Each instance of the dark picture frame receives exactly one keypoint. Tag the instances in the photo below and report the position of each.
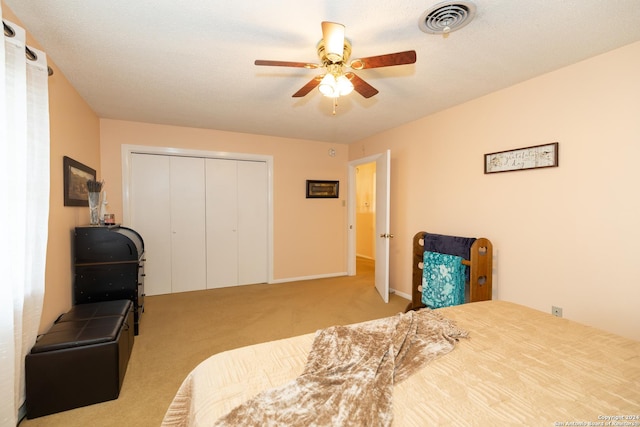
(75, 180)
(534, 157)
(322, 189)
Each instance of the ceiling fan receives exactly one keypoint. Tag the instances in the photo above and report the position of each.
(334, 51)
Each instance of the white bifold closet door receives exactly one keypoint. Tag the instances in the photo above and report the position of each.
(204, 221)
(188, 227)
(168, 209)
(236, 211)
(150, 209)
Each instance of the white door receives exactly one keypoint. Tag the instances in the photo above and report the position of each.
(188, 230)
(150, 215)
(167, 209)
(383, 234)
(253, 224)
(222, 223)
(237, 222)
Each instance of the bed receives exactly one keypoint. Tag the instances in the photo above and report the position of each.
(519, 366)
(516, 366)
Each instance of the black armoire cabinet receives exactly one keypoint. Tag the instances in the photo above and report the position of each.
(109, 265)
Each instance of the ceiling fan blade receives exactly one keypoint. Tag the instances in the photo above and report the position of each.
(360, 86)
(333, 36)
(390, 59)
(285, 64)
(313, 83)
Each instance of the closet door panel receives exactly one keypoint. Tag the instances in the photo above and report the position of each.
(252, 222)
(150, 216)
(222, 223)
(188, 230)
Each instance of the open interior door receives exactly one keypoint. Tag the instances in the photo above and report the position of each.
(383, 191)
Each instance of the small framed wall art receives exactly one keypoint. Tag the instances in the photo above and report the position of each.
(537, 156)
(322, 189)
(75, 180)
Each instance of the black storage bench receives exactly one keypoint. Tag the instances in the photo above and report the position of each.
(81, 360)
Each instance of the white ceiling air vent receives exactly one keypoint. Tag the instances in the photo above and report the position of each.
(447, 16)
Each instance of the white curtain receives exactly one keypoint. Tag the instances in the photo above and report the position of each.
(24, 211)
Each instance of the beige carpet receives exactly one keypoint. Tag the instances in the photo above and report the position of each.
(178, 331)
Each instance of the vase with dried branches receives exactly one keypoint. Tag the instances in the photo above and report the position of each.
(94, 187)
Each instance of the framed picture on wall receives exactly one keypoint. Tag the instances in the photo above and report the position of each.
(322, 189)
(538, 156)
(75, 180)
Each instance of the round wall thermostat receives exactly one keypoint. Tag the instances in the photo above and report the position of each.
(332, 152)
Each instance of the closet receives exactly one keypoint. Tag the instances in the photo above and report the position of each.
(204, 221)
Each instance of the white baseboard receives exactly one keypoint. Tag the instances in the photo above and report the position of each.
(303, 278)
(324, 276)
(22, 412)
(401, 294)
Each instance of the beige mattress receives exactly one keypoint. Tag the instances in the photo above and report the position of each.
(519, 367)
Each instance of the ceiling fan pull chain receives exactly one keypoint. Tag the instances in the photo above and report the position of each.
(335, 104)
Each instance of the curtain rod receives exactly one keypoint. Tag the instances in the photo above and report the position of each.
(31, 55)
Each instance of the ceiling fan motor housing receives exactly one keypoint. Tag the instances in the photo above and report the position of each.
(322, 54)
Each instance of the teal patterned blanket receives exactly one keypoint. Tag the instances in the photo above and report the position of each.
(443, 280)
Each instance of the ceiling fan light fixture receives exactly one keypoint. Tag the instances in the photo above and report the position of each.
(333, 86)
(344, 85)
(328, 86)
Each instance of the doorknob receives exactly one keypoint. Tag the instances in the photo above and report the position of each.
(386, 236)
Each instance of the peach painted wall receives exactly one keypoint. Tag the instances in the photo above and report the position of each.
(309, 234)
(74, 130)
(565, 236)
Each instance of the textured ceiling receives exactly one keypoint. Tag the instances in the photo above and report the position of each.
(190, 63)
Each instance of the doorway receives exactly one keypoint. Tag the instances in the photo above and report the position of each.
(381, 234)
(365, 210)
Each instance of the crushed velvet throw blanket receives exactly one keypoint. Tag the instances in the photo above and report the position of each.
(350, 372)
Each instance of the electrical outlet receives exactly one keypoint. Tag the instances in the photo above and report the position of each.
(556, 311)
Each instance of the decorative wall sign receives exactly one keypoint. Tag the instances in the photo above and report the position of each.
(75, 180)
(537, 156)
(322, 189)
